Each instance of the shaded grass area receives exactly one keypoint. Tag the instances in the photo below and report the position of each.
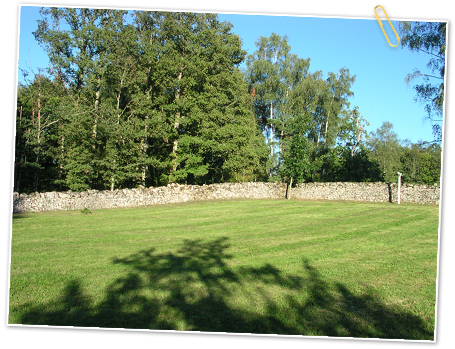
(258, 266)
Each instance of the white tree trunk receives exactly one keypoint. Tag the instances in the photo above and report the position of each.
(176, 126)
(271, 132)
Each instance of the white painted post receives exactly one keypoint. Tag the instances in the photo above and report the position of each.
(399, 186)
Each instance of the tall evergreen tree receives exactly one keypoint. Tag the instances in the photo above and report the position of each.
(203, 90)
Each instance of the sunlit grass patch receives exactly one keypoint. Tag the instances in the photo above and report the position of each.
(246, 266)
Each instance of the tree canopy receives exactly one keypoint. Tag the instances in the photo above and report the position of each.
(143, 98)
(154, 100)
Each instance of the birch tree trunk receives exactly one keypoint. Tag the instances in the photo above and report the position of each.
(97, 103)
(145, 146)
(38, 138)
(176, 126)
(271, 132)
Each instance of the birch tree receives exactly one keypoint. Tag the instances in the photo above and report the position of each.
(428, 38)
(272, 73)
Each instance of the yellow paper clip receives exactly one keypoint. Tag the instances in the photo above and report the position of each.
(380, 23)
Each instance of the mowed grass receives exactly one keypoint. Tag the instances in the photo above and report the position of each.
(316, 268)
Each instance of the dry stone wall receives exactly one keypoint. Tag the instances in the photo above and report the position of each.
(93, 199)
(374, 192)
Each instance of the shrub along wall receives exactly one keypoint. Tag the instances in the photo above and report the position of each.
(93, 199)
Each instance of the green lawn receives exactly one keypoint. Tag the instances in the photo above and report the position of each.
(316, 268)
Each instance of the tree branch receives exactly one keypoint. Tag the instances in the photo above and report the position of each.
(430, 53)
(431, 76)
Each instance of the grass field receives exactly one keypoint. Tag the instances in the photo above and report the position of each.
(316, 268)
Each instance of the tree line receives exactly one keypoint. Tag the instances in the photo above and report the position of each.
(138, 98)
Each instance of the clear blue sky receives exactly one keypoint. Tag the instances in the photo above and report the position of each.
(330, 43)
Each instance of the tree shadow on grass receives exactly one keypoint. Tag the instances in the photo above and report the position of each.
(196, 289)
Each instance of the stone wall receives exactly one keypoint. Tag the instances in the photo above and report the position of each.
(93, 199)
(377, 192)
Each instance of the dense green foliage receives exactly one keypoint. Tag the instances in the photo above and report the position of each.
(137, 98)
(357, 270)
(420, 163)
(157, 100)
